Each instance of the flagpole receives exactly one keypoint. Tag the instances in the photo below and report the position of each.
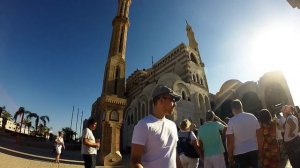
(76, 123)
(81, 122)
(72, 117)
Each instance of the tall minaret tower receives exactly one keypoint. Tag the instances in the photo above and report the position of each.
(193, 44)
(109, 108)
(192, 41)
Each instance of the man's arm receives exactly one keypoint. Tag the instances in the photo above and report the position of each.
(221, 121)
(137, 152)
(230, 147)
(89, 143)
(196, 143)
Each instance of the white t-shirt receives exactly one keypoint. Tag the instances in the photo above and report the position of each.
(243, 126)
(88, 134)
(159, 138)
(287, 128)
(279, 130)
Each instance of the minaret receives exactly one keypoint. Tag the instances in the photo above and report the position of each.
(109, 108)
(114, 82)
(193, 44)
(192, 41)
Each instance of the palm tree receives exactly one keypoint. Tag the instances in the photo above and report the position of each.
(6, 115)
(2, 109)
(37, 119)
(27, 123)
(69, 134)
(44, 119)
(21, 112)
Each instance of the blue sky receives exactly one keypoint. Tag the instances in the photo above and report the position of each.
(53, 52)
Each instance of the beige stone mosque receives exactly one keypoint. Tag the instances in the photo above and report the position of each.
(124, 102)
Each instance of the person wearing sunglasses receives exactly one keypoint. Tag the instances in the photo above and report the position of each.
(155, 137)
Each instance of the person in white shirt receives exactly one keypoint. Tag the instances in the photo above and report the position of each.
(89, 145)
(244, 137)
(291, 137)
(279, 132)
(155, 137)
(59, 144)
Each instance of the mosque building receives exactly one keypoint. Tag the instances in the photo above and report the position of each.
(123, 103)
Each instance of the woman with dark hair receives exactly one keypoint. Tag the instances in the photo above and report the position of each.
(59, 144)
(270, 148)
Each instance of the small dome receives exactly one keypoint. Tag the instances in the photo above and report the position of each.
(230, 84)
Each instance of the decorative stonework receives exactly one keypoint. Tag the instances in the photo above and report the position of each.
(109, 108)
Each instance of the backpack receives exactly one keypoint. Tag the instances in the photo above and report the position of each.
(184, 146)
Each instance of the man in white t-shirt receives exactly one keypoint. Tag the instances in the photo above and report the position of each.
(244, 137)
(155, 137)
(291, 137)
(89, 145)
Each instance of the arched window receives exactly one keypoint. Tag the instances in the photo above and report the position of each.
(193, 58)
(198, 78)
(143, 110)
(121, 40)
(117, 76)
(128, 120)
(135, 115)
(139, 109)
(114, 116)
(183, 95)
(131, 119)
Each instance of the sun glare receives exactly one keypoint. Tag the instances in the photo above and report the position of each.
(277, 47)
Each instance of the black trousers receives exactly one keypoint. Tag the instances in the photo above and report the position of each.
(249, 159)
(293, 151)
(89, 161)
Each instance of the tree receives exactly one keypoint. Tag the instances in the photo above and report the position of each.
(44, 119)
(21, 112)
(2, 110)
(69, 133)
(27, 123)
(6, 115)
(37, 119)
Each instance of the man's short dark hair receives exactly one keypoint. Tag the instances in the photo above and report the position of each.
(236, 104)
(91, 121)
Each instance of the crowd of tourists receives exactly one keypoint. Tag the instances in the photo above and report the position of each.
(243, 141)
(246, 140)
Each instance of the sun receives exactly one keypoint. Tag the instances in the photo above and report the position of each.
(277, 47)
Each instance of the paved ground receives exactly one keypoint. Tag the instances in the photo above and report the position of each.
(18, 155)
(25, 155)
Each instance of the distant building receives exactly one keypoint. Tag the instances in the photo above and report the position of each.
(270, 90)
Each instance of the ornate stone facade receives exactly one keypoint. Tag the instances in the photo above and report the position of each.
(182, 70)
